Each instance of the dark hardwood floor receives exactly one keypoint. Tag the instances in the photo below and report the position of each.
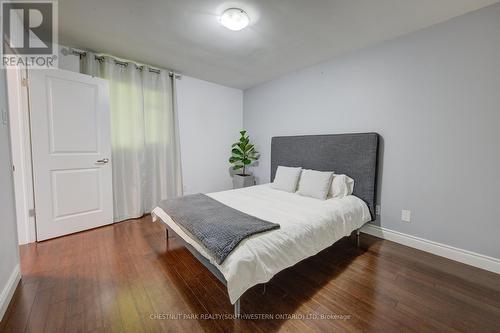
(121, 278)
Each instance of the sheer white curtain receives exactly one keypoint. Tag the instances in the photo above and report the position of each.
(144, 135)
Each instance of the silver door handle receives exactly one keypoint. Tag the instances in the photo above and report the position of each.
(103, 161)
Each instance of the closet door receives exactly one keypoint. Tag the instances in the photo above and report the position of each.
(71, 149)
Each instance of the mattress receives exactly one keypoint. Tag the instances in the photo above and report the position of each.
(307, 226)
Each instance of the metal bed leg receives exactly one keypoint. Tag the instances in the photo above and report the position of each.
(237, 309)
(357, 237)
(166, 237)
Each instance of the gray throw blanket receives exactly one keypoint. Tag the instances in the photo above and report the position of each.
(218, 227)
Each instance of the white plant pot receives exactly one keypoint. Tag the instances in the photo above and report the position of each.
(240, 181)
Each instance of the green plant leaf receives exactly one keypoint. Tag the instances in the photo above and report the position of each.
(248, 148)
(237, 167)
(237, 151)
(247, 161)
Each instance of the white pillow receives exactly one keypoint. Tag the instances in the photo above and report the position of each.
(286, 179)
(315, 184)
(342, 186)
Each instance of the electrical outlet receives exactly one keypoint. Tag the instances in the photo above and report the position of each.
(5, 117)
(406, 215)
(377, 210)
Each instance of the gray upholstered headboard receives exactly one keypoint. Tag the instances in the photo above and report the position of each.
(352, 154)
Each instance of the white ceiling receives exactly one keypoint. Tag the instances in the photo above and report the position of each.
(284, 35)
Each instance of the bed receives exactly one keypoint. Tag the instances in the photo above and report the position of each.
(307, 225)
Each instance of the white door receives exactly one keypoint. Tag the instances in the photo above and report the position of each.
(70, 131)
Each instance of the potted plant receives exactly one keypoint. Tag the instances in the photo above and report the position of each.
(243, 154)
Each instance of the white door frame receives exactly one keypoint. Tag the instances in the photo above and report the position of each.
(19, 118)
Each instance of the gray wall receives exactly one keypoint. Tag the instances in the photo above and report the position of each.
(9, 255)
(434, 96)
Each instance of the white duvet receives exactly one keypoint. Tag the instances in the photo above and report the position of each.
(307, 226)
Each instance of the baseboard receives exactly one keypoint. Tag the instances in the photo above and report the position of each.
(467, 257)
(8, 290)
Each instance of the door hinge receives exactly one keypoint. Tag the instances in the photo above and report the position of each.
(13, 168)
(24, 82)
(31, 213)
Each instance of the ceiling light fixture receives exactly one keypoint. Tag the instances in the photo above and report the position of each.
(234, 19)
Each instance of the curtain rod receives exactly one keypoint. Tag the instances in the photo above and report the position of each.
(81, 53)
